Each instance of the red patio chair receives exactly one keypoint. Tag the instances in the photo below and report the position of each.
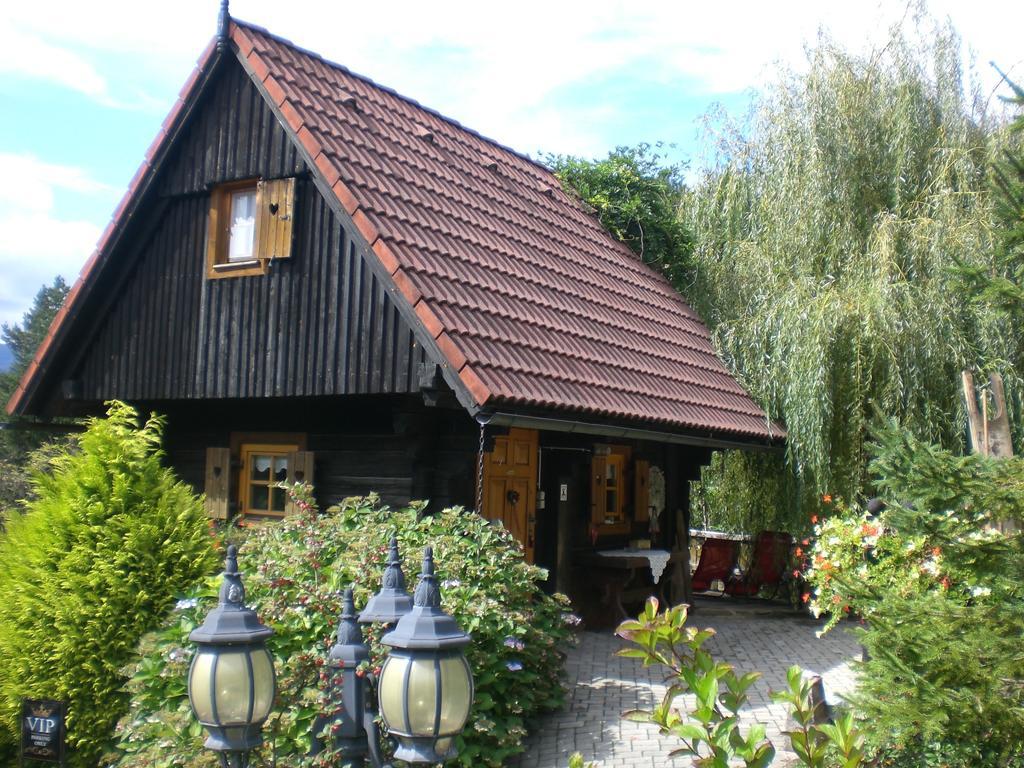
(768, 564)
(717, 561)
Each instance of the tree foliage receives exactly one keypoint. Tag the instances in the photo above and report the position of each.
(825, 241)
(1001, 286)
(636, 196)
(95, 561)
(24, 339)
(941, 592)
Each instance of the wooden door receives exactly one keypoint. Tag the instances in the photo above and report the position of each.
(510, 485)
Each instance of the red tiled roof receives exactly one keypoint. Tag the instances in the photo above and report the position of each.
(530, 299)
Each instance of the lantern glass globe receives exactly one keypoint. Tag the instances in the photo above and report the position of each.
(425, 694)
(231, 686)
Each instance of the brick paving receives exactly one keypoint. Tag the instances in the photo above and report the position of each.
(603, 686)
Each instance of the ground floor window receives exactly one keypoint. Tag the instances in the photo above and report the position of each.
(264, 467)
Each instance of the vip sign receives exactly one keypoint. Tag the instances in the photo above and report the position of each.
(42, 730)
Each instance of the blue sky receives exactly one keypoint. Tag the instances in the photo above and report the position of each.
(85, 85)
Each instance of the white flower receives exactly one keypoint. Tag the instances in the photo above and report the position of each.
(981, 591)
(181, 605)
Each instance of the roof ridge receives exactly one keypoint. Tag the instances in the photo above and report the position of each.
(386, 89)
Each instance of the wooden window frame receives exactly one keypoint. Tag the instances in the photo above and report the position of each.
(245, 443)
(621, 456)
(273, 233)
(218, 233)
(275, 450)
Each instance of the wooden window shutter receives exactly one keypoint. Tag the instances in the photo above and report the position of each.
(598, 499)
(641, 491)
(218, 476)
(275, 204)
(300, 470)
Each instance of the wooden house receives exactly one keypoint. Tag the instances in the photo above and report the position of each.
(315, 277)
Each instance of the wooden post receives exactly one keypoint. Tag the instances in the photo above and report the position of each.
(989, 433)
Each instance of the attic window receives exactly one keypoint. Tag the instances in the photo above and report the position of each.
(249, 226)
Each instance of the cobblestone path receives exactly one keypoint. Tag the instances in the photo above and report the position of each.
(603, 686)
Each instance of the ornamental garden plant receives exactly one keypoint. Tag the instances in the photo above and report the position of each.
(295, 571)
(704, 697)
(940, 592)
(94, 561)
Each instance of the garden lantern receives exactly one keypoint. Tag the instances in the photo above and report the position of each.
(392, 602)
(426, 686)
(231, 682)
(349, 724)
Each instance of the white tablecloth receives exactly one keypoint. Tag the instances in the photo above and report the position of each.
(658, 558)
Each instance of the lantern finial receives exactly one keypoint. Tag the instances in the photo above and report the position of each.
(348, 630)
(427, 593)
(232, 592)
(393, 576)
(231, 621)
(392, 602)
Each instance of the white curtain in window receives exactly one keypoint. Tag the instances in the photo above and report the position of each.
(243, 225)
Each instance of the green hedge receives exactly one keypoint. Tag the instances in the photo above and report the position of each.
(294, 573)
(94, 563)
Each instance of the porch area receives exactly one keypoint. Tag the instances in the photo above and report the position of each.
(751, 635)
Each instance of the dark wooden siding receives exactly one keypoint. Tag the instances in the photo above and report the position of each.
(317, 324)
(361, 444)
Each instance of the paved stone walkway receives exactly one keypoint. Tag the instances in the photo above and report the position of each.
(603, 686)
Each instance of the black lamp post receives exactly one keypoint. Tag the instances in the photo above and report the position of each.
(426, 685)
(231, 684)
(352, 725)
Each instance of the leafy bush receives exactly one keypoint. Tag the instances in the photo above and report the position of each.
(92, 565)
(295, 571)
(636, 195)
(709, 728)
(941, 592)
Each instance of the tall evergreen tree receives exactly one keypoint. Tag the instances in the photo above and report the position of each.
(1002, 285)
(24, 339)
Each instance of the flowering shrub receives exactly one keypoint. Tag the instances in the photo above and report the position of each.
(942, 597)
(853, 551)
(294, 573)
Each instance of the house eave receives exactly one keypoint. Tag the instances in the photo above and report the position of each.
(696, 438)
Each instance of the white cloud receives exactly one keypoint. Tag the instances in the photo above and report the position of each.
(508, 57)
(502, 69)
(38, 244)
(28, 55)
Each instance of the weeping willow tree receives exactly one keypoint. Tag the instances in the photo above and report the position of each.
(826, 236)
